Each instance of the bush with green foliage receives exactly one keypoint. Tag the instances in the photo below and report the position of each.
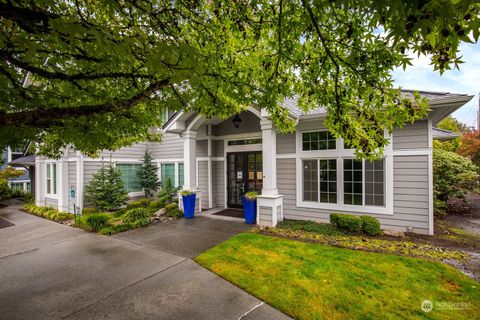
(310, 226)
(135, 204)
(453, 176)
(5, 191)
(144, 201)
(173, 211)
(155, 205)
(87, 211)
(347, 222)
(135, 214)
(106, 191)
(47, 212)
(168, 194)
(116, 229)
(141, 223)
(148, 175)
(370, 225)
(95, 221)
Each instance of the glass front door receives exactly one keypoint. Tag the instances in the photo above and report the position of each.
(244, 174)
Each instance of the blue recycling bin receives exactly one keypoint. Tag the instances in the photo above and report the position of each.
(250, 210)
(189, 206)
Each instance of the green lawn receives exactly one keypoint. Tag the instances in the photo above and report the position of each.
(314, 281)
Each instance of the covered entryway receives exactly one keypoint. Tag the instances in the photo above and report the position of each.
(244, 174)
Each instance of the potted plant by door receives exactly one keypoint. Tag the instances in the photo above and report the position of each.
(250, 207)
(188, 198)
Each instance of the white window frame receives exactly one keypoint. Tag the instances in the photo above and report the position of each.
(176, 163)
(49, 164)
(339, 154)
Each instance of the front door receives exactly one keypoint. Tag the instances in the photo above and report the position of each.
(244, 174)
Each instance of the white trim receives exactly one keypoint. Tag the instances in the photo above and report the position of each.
(209, 167)
(412, 152)
(286, 156)
(244, 148)
(339, 154)
(430, 180)
(51, 195)
(136, 193)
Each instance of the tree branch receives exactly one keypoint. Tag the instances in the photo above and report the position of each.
(44, 118)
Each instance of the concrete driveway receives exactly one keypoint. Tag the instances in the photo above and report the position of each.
(51, 271)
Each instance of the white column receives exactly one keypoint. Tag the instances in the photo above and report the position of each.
(269, 150)
(189, 160)
(209, 171)
(39, 181)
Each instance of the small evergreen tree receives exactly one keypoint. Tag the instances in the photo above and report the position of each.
(148, 175)
(106, 191)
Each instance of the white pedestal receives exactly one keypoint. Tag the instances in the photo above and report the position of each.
(269, 210)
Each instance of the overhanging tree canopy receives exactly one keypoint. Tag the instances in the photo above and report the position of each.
(101, 72)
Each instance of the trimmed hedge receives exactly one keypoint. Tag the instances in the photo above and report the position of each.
(173, 211)
(370, 225)
(356, 224)
(48, 212)
(347, 222)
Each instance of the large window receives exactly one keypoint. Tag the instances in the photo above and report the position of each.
(318, 140)
(374, 183)
(370, 192)
(51, 178)
(352, 182)
(130, 176)
(167, 172)
(320, 180)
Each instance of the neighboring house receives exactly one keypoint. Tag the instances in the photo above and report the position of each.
(304, 175)
(19, 183)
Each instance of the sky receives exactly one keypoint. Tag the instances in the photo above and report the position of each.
(466, 80)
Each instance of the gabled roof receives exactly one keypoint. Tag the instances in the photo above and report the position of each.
(23, 161)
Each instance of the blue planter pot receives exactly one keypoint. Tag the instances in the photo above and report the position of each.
(189, 206)
(250, 210)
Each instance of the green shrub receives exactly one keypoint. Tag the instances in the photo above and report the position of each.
(141, 223)
(87, 211)
(144, 201)
(96, 221)
(28, 197)
(156, 204)
(135, 204)
(172, 210)
(135, 214)
(116, 229)
(5, 191)
(310, 226)
(119, 213)
(453, 176)
(47, 212)
(106, 191)
(346, 222)
(370, 225)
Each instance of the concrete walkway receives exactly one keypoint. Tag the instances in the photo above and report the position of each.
(51, 271)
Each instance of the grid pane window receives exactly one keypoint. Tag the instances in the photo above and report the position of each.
(352, 182)
(17, 186)
(375, 183)
(319, 140)
(54, 178)
(310, 180)
(130, 176)
(328, 181)
(181, 179)
(168, 172)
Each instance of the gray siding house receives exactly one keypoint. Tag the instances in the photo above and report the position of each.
(304, 175)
